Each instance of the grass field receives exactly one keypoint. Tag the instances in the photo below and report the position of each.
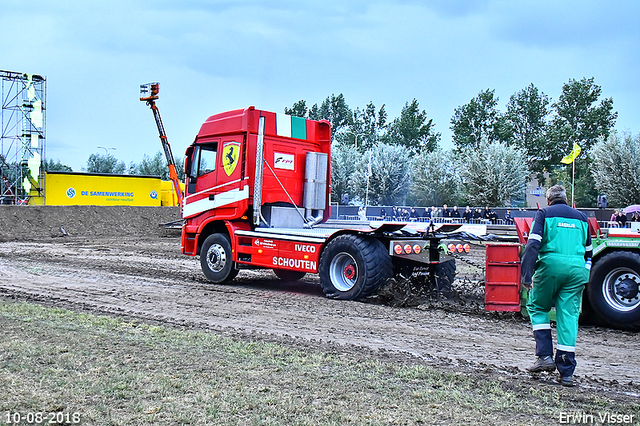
(114, 371)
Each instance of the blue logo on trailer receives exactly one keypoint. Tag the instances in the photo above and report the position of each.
(71, 192)
(154, 194)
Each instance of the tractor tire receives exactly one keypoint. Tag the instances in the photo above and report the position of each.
(613, 289)
(352, 267)
(288, 275)
(216, 259)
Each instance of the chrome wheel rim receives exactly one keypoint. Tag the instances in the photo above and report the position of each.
(216, 258)
(343, 272)
(620, 289)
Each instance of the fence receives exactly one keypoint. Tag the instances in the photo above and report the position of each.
(429, 219)
(606, 224)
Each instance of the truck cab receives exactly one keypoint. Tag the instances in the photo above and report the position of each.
(227, 175)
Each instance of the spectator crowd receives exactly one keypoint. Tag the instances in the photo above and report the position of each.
(468, 216)
(619, 219)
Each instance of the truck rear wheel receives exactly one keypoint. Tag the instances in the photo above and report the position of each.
(216, 259)
(352, 267)
(288, 275)
(613, 289)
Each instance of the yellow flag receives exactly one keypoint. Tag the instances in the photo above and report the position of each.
(568, 159)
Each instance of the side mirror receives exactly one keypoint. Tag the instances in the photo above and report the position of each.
(192, 163)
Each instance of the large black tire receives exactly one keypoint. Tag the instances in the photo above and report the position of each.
(445, 275)
(613, 289)
(216, 259)
(352, 267)
(288, 275)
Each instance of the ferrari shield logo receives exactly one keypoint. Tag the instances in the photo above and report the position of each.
(230, 155)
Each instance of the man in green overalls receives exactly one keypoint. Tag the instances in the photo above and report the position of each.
(555, 268)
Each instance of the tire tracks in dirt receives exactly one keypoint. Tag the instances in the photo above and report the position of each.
(150, 279)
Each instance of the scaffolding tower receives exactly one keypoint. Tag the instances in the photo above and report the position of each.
(22, 142)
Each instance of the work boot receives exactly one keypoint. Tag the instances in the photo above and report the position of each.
(566, 381)
(543, 363)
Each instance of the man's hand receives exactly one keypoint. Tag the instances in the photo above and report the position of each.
(528, 286)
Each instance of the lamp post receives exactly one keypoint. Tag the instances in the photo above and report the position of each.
(106, 150)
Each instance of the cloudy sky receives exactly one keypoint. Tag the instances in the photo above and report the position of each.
(212, 56)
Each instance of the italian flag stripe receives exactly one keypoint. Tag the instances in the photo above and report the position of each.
(298, 128)
(291, 127)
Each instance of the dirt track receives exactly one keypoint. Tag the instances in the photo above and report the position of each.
(147, 277)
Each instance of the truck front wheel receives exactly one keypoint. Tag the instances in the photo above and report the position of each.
(352, 267)
(216, 259)
(613, 289)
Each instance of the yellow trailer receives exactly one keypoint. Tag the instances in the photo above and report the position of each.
(169, 196)
(83, 189)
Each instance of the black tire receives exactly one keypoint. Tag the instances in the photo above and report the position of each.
(288, 275)
(445, 275)
(613, 289)
(352, 267)
(587, 315)
(216, 259)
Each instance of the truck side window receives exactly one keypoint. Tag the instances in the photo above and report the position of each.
(207, 159)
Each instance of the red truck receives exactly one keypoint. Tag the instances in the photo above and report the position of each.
(257, 195)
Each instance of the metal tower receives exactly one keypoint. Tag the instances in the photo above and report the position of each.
(22, 139)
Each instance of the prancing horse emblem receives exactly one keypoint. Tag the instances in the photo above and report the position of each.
(230, 155)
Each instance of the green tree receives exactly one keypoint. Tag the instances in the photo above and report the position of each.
(50, 166)
(151, 166)
(335, 110)
(436, 180)
(156, 166)
(389, 178)
(475, 122)
(581, 187)
(105, 164)
(580, 119)
(524, 125)
(413, 130)
(343, 164)
(494, 174)
(299, 109)
(365, 127)
(616, 168)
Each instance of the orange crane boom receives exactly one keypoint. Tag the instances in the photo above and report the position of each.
(149, 94)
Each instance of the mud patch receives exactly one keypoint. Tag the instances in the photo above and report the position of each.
(35, 222)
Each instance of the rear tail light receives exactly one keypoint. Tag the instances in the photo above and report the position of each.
(407, 249)
(459, 248)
